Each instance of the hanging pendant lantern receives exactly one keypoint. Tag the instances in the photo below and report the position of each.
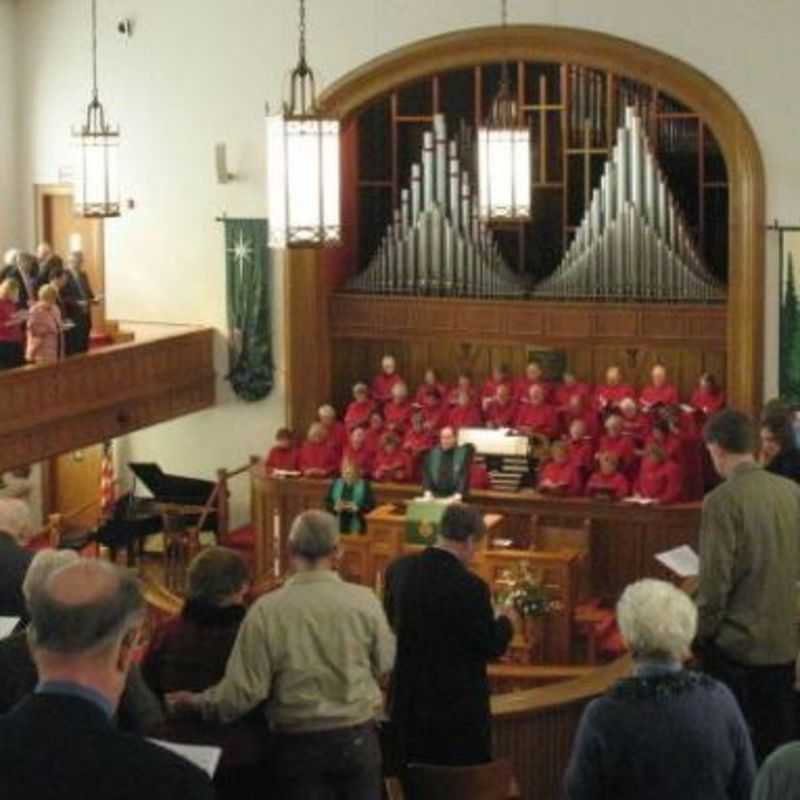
(96, 190)
(504, 157)
(303, 165)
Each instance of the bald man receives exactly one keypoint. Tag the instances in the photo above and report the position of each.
(60, 742)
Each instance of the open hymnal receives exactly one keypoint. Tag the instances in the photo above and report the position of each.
(201, 756)
(640, 501)
(683, 561)
(7, 625)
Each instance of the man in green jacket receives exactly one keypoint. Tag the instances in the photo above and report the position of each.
(747, 594)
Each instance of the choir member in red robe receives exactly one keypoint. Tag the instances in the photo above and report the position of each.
(392, 464)
(579, 408)
(560, 475)
(501, 376)
(385, 380)
(397, 412)
(359, 409)
(534, 376)
(607, 480)
(317, 458)
(434, 411)
(635, 423)
(580, 447)
(431, 380)
(358, 452)
(465, 414)
(284, 454)
(334, 430)
(569, 388)
(708, 397)
(418, 440)
(658, 392)
(375, 431)
(621, 446)
(479, 477)
(463, 384)
(608, 395)
(536, 415)
(502, 410)
(665, 435)
(660, 478)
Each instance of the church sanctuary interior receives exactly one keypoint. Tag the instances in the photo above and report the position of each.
(382, 257)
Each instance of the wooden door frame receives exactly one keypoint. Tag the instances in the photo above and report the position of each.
(461, 49)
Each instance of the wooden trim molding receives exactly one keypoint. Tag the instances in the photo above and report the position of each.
(745, 319)
(55, 408)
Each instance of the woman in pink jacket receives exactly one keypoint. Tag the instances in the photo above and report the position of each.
(45, 329)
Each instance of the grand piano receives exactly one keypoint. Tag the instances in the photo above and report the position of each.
(183, 500)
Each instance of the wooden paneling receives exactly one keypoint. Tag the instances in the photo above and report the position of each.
(56, 408)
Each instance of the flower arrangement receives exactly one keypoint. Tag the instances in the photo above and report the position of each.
(525, 590)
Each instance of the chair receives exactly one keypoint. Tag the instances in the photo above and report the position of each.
(492, 781)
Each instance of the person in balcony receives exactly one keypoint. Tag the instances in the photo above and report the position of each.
(664, 732)
(12, 330)
(45, 342)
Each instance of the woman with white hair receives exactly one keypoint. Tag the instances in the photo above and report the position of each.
(664, 732)
(15, 531)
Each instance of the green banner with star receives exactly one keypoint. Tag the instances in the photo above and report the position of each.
(251, 366)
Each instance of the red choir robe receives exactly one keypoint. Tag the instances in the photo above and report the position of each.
(566, 475)
(636, 428)
(622, 447)
(589, 419)
(357, 414)
(615, 484)
(422, 391)
(318, 455)
(452, 395)
(541, 419)
(652, 396)
(434, 417)
(489, 388)
(285, 458)
(479, 477)
(707, 403)
(397, 416)
(364, 458)
(607, 397)
(416, 444)
(393, 467)
(660, 480)
(382, 385)
(337, 437)
(464, 417)
(373, 438)
(522, 389)
(672, 445)
(581, 454)
(500, 416)
(563, 393)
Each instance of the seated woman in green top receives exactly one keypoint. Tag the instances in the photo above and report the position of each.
(350, 498)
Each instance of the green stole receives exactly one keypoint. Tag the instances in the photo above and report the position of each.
(459, 459)
(359, 493)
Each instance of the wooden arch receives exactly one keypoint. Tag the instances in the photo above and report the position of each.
(306, 285)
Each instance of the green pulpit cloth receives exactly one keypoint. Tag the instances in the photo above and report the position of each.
(249, 328)
(423, 518)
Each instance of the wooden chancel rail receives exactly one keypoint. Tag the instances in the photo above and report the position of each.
(55, 408)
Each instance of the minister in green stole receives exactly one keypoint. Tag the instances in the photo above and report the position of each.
(350, 499)
(447, 466)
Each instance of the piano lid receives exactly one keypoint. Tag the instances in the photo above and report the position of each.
(175, 489)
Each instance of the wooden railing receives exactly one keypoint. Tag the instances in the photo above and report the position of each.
(54, 408)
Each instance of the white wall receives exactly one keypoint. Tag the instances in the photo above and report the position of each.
(199, 71)
(9, 223)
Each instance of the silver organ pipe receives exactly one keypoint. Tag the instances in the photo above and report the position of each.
(633, 242)
(437, 244)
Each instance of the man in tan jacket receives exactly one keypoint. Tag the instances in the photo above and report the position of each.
(749, 568)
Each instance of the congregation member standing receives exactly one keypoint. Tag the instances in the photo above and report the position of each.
(60, 741)
(664, 733)
(79, 297)
(779, 453)
(447, 632)
(12, 350)
(747, 594)
(314, 650)
(15, 531)
(45, 328)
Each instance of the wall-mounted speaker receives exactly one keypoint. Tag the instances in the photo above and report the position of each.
(221, 158)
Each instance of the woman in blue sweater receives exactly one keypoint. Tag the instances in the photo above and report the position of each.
(665, 732)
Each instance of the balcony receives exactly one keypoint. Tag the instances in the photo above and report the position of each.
(54, 408)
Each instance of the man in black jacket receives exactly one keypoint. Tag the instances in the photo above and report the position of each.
(15, 528)
(60, 742)
(446, 631)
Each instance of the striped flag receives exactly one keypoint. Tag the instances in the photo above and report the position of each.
(108, 492)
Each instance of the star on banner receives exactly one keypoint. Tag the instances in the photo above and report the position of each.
(242, 251)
